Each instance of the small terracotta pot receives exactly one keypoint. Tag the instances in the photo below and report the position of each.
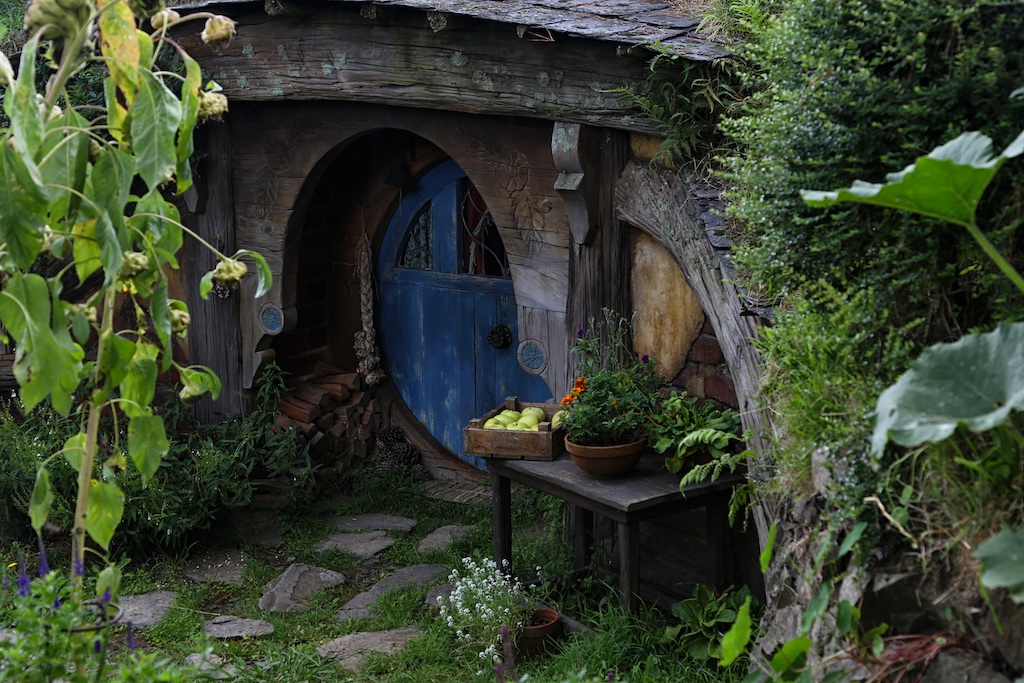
(543, 626)
(606, 462)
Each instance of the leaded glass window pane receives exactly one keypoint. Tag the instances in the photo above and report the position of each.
(417, 253)
(482, 250)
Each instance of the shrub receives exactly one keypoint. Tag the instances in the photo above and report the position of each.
(853, 89)
(208, 468)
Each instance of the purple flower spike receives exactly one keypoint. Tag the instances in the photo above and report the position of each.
(581, 333)
(77, 566)
(645, 358)
(130, 637)
(97, 646)
(23, 581)
(7, 582)
(44, 565)
(106, 596)
(610, 676)
(499, 673)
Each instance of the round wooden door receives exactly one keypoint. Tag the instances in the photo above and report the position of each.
(448, 317)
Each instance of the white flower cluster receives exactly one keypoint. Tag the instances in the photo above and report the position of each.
(483, 600)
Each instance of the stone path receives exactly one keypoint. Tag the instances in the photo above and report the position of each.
(364, 536)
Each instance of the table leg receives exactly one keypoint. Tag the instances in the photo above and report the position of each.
(583, 535)
(629, 563)
(719, 542)
(501, 516)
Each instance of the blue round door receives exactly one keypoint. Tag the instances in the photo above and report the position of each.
(448, 317)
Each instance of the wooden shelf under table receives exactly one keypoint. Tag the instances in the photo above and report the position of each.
(649, 491)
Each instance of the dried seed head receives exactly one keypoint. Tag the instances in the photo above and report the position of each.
(180, 321)
(218, 29)
(229, 270)
(134, 263)
(163, 18)
(212, 105)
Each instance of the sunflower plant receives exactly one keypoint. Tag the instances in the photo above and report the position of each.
(85, 199)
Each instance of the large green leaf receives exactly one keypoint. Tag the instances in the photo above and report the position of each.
(154, 123)
(946, 184)
(47, 360)
(161, 220)
(139, 386)
(1003, 559)
(111, 250)
(119, 44)
(22, 215)
(160, 312)
(974, 382)
(86, 249)
(42, 498)
(735, 640)
(105, 509)
(189, 112)
(65, 159)
(74, 450)
(24, 112)
(263, 275)
(147, 444)
(109, 185)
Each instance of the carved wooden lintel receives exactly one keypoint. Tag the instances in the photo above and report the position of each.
(571, 183)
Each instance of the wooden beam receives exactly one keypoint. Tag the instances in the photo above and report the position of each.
(472, 66)
(213, 335)
(599, 271)
(659, 202)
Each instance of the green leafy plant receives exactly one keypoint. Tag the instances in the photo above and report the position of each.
(92, 196)
(686, 427)
(616, 391)
(704, 619)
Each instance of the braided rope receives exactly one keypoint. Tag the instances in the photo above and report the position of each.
(366, 338)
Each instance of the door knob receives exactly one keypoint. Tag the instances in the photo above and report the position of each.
(500, 337)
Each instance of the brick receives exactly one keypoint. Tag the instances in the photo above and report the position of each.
(705, 349)
(692, 379)
(721, 389)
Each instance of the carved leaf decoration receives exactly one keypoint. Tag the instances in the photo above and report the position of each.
(975, 382)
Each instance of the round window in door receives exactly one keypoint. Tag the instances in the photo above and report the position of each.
(448, 319)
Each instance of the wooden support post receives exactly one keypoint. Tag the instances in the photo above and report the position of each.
(599, 270)
(629, 563)
(213, 335)
(501, 513)
(582, 535)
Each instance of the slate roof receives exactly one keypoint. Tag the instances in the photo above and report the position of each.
(627, 22)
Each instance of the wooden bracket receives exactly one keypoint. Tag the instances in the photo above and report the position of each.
(571, 183)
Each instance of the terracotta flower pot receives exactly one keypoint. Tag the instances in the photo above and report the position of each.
(543, 626)
(606, 462)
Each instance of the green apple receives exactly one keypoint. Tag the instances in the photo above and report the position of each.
(503, 419)
(535, 411)
(494, 423)
(557, 418)
(529, 420)
(514, 414)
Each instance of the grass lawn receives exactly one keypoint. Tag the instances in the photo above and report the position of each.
(629, 645)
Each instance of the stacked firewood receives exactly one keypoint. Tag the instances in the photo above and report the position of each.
(334, 416)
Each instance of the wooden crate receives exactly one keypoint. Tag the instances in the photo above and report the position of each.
(544, 444)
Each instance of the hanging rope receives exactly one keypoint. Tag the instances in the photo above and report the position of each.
(366, 338)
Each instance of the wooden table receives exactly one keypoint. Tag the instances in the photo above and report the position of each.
(647, 492)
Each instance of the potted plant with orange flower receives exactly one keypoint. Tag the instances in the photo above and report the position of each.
(609, 408)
